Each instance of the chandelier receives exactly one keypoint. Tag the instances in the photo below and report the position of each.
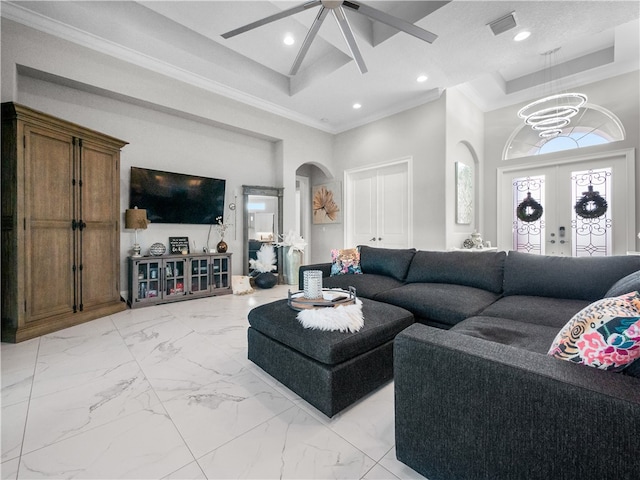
(550, 114)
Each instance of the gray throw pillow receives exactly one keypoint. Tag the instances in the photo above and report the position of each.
(392, 262)
(628, 284)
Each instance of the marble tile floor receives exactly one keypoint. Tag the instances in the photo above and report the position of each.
(166, 392)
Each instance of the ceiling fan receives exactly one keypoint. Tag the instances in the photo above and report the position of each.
(337, 8)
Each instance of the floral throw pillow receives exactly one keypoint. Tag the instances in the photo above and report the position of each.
(605, 335)
(346, 261)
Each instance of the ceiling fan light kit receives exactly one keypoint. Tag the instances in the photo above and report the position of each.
(337, 7)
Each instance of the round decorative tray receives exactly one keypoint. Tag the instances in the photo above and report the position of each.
(331, 297)
(157, 249)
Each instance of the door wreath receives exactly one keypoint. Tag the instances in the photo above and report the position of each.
(529, 210)
(591, 205)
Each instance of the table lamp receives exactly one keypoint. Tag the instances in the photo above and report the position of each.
(136, 219)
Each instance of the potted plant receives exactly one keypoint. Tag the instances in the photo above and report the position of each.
(263, 265)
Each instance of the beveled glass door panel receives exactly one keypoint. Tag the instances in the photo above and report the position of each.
(174, 283)
(199, 277)
(559, 188)
(220, 273)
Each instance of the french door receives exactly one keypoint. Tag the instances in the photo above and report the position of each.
(583, 206)
(378, 206)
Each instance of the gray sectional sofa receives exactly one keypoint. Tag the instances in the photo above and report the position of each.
(477, 396)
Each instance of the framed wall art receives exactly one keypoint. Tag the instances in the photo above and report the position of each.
(326, 203)
(464, 194)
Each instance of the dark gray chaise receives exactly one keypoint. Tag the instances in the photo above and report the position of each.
(478, 398)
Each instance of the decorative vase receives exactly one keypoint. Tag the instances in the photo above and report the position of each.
(265, 280)
(292, 260)
(222, 246)
(476, 238)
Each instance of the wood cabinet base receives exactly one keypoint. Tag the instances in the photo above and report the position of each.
(52, 324)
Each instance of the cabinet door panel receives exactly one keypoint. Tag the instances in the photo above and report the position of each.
(49, 173)
(99, 237)
(49, 278)
(97, 277)
(99, 185)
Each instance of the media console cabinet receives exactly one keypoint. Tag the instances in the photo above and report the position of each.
(173, 278)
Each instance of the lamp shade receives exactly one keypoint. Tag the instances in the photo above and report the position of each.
(136, 218)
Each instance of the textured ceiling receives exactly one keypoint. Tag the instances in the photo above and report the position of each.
(597, 40)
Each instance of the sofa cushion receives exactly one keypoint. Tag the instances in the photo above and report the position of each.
(552, 312)
(345, 261)
(444, 303)
(472, 269)
(605, 335)
(367, 285)
(630, 283)
(528, 336)
(633, 370)
(581, 278)
(391, 262)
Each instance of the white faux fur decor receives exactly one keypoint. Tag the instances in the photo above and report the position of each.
(345, 318)
(241, 285)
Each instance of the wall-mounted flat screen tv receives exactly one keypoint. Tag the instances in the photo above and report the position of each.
(176, 198)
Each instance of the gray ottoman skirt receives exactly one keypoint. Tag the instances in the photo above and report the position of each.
(330, 370)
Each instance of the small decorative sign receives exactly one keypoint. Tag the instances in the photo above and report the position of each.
(179, 245)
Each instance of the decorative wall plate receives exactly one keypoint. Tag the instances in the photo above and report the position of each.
(157, 249)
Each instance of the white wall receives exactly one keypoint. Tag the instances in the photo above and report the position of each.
(620, 95)
(174, 126)
(169, 125)
(464, 142)
(418, 133)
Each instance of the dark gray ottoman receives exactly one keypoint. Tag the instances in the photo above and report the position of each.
(330, 370)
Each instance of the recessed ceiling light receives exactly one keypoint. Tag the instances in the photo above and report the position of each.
(522, 36)
(422, 78)
(288, 39)
(356, 106)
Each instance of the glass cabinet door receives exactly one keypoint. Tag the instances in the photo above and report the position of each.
(199, 275)
(174, 277)
(220, 273)
(148, 280)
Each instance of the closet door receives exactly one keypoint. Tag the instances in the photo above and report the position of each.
(49, 209)
(378, 207)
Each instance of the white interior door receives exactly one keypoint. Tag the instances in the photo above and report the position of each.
(378, 206)
(558, 187)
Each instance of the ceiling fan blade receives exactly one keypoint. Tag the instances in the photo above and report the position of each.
(345, 28)
(392, 21)
(272, 18)
(313, 31)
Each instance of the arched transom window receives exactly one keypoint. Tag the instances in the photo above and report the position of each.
(595, 126)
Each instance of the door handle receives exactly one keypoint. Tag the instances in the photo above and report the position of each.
(372, 239)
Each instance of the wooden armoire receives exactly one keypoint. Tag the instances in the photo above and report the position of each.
(60, 224)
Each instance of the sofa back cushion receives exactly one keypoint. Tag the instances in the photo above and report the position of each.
(630, 283)
(581, 278)
(473, 269)
(391, 262)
